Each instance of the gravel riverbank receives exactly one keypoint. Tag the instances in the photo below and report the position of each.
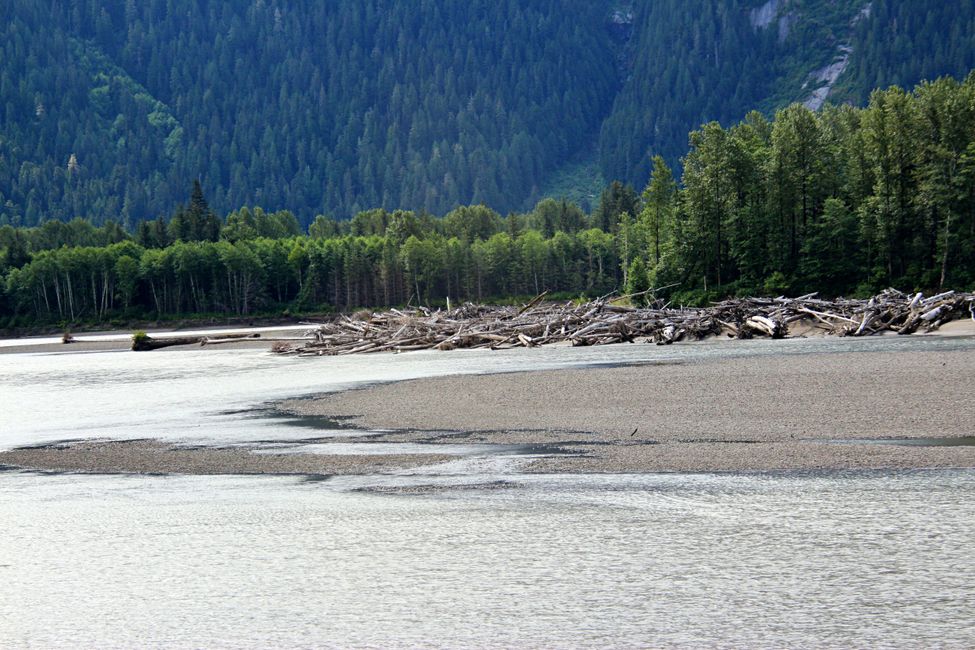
(811, 411)
(819, 410)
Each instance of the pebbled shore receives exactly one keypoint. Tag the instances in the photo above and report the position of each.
(742, 414)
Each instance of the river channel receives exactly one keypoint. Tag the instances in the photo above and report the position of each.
(492, 558)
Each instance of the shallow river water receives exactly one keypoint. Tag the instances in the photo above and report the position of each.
(833, 559)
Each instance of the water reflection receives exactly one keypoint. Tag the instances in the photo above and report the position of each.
(825, 560)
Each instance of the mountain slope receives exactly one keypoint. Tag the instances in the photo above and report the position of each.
(702, 60)
(111, 110)
(319, 107)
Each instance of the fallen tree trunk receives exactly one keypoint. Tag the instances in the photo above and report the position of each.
(766, 326)
(144, 343)
(239, 338)
(147, 343)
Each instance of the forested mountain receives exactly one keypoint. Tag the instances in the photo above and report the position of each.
(109, 110)
(695, 61)
(839, 201)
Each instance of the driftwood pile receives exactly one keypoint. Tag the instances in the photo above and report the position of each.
(604, 321)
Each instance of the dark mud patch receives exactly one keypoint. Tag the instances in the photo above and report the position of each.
(434, 488)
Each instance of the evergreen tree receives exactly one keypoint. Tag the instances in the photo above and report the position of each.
(615, 200)
(659, 202)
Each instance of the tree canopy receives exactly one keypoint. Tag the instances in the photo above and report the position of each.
(110, 110)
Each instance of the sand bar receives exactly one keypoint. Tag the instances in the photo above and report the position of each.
(739, 414)
(153, 457)
(788, 412)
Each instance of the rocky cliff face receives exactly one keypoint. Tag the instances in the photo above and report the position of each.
(824, 79)
(762, 17)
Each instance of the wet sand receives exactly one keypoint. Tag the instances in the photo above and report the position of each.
(811, 411)
(153, 457)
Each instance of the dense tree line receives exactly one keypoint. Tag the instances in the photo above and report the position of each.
(379, 258)
(108, 110)
(841, 201)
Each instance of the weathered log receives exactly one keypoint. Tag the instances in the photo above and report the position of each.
(147, 343)
(910, 325)
(765, 325)
(144, 343)
(217, 340)
(868, 317)
(531, 303)
(821, 315)
(932, 314)
(933, 299)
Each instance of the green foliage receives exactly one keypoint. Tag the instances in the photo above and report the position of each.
(578, 181)
(659, 204)
(471, 222)
(838, 201)
(110, 110)
(637, 280)
(905, 43)
(829, 252)
(776, 284)
(323, 227)
(617, 199)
